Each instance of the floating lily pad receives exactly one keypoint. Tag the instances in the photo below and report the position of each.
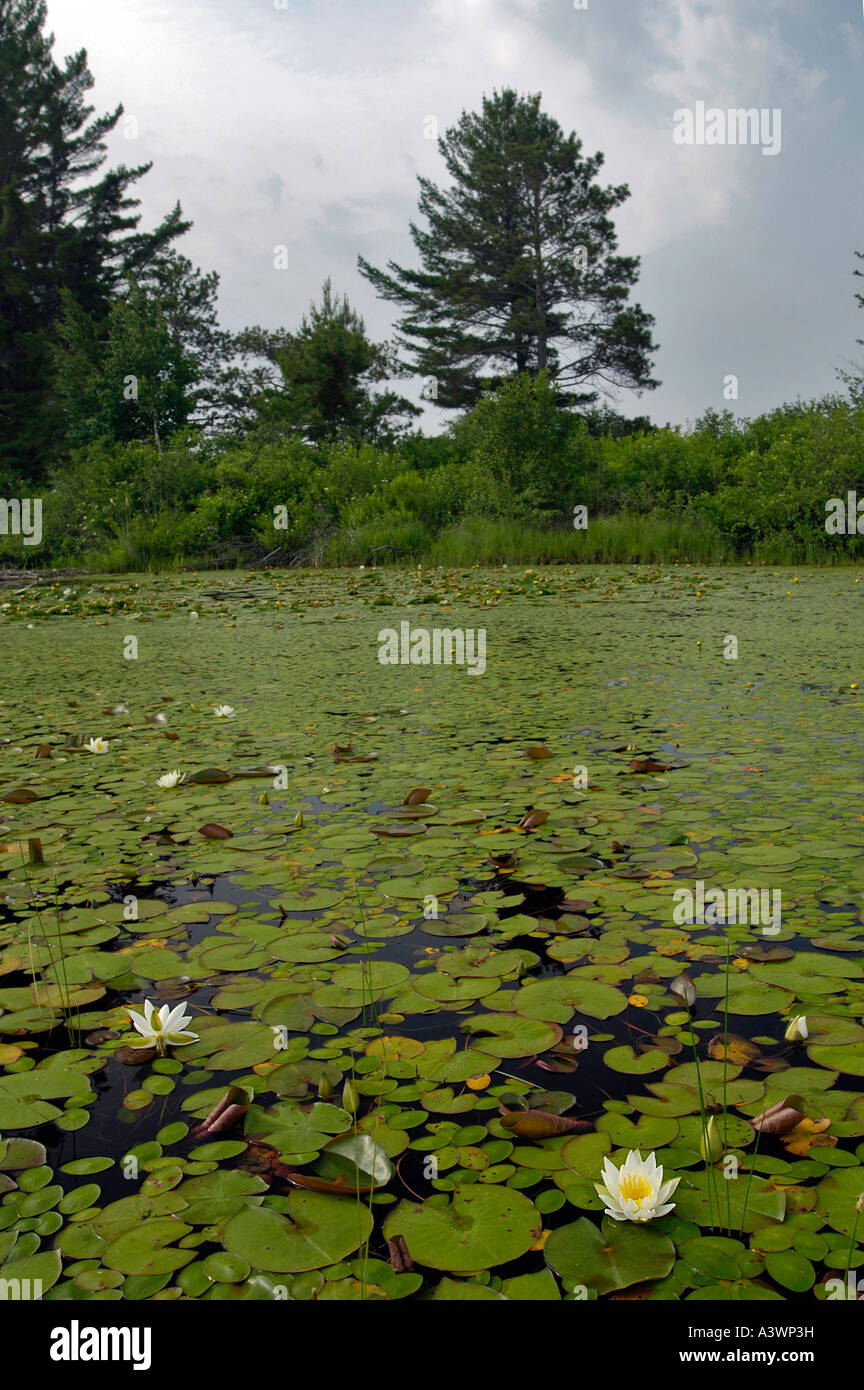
(481, 1227)
(505, 1035)
(614, 1256)
(318, 1230)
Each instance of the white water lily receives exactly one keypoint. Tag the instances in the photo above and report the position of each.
(97, 745)
(165, 1027)
(797, 1030)
(636, 1191)
(170, 779)
(224, 711)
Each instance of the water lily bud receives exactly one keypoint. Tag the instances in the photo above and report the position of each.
(711, 1144)
(263, 799)
(298, 820)
(350, 1097)
(325, 1087)
(797, 1030)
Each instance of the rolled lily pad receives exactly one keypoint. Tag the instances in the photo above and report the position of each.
(356, 1154)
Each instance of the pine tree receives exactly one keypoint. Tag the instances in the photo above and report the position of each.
(518, 265)
(318, 382)
(64, 224)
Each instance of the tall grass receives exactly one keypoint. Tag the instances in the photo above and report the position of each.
(624, 539)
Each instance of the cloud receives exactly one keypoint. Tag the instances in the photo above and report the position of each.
(304, 127)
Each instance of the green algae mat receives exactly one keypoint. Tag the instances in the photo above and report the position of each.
(457, 960)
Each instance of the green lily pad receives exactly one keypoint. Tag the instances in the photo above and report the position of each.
(648, 1133)
(843, 1058)
(295, 1130)
(25, 1098)
(505, 1035)
(318, 1230)
(211, 1198)
(747, 1210)
(147, 1249)
(636, 1063)
(791, 1269)
(615, 1256)
(836, 1196)
(20, 1274)
(573, 992)
(481, 1227)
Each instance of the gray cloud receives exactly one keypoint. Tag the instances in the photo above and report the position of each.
(303, 126)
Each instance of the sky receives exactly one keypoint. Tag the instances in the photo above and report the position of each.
(303, 124)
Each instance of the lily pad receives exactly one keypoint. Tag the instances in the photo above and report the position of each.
(481, 1227)
(318, 1230)
(614, 1256)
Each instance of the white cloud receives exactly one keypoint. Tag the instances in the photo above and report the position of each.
(304, 127)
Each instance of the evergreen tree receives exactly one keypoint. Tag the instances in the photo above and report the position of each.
(318, 382)
(64, 224)
(518, 271)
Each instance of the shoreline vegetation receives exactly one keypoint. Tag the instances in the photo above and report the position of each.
(138, 433)
(516, 480)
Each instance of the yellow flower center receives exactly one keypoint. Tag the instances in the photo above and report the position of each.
(634, 1187)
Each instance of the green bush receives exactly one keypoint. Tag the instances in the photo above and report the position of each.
(500, 487)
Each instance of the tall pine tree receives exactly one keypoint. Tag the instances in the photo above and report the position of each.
(64, 224)
(518, 271)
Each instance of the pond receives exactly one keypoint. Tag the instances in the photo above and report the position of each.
(454, 938)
